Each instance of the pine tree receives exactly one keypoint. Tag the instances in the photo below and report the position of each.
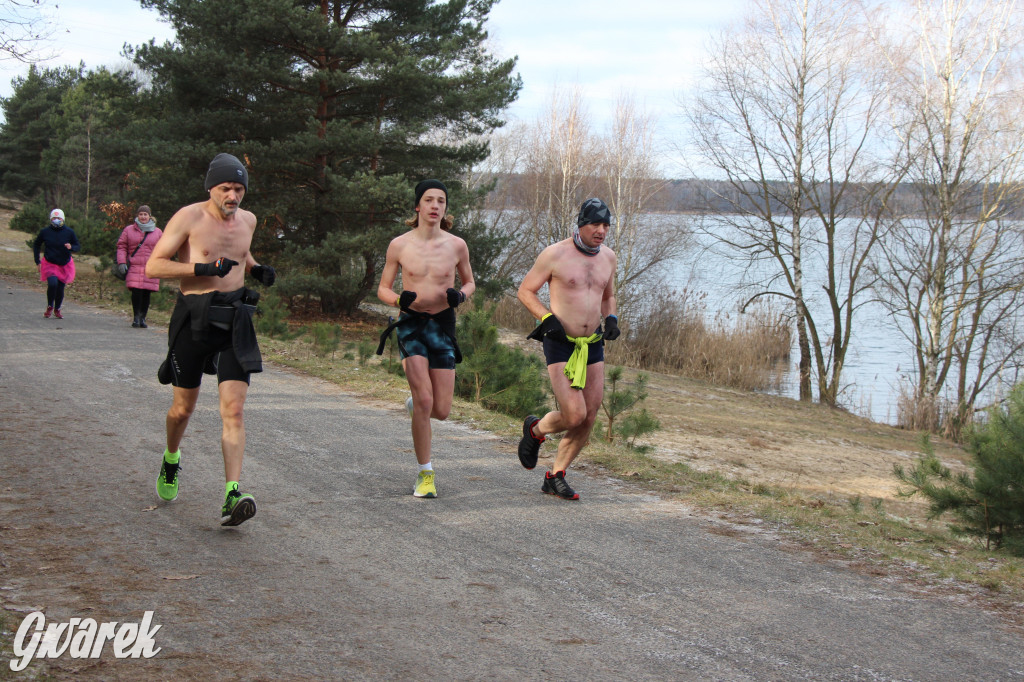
(990, 503)
(498, 377)
(31, 115)
(338, 108)
(89, 155)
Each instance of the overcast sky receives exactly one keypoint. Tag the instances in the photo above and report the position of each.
(647, 48)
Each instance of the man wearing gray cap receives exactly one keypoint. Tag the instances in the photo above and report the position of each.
(580, 274)
(211, 328)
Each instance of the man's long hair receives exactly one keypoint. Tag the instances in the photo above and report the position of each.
(446, 222)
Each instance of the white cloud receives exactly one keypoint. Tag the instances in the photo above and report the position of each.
(93, 32)
(650, 48)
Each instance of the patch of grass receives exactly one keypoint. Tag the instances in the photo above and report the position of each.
(888, 538)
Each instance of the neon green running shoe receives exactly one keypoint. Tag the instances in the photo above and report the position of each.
(167, 481)
(425, 485)
(238, 508)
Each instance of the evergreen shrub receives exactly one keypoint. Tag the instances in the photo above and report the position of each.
(503, 379)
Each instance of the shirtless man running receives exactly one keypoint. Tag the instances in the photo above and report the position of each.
(211, 327)
(429, 257)
(580, 274)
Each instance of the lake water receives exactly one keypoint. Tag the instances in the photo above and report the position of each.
(879, 359)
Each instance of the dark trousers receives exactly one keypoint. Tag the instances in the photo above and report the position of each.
(54, 292)
(140, 302)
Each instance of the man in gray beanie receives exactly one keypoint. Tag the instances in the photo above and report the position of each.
(211, 329)
(226, 168)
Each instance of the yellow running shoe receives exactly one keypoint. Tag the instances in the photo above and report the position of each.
(425, 485)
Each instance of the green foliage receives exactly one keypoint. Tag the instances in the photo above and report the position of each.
(31, 116)
(164, 298)
(326, 338)
(398, 90)
(366, 349)
(638, 424)
(272, 317)
(485, 250)
(990, 503)
(89, 157)
(498, 377)
(93, 234)
(618, 400)
(33, 216)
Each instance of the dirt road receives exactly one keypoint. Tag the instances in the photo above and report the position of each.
(344, 575)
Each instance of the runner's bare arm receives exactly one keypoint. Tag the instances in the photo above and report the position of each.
(387, 276)
(536, 278)
(464, 270)
(608, 302)
(175, 236)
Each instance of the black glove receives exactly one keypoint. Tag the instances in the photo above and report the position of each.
(122, 269)
(405, 299)
(264, 273)
(550, 327)
(217, 268)
(455, 297)
(611, 327)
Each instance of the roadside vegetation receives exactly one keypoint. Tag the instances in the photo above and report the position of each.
(880, 533)
(840, 182)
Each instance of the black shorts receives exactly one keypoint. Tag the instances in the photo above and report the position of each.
(188, 357)
(556, 351)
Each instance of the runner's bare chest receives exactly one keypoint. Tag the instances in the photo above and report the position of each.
(583, 273)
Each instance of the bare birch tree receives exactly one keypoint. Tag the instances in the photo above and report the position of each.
(547, 168)
(629, 179)
(952, 270)
(24, 31)
(559, 162)
(786, 116)
(502, 212)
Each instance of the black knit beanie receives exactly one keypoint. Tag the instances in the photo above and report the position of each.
(226, 168)
(429, 184)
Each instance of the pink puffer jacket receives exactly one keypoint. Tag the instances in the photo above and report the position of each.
(130, 237)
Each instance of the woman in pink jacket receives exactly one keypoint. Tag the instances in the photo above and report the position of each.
(133, 248)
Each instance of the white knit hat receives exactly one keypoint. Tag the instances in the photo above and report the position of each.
(56, 213)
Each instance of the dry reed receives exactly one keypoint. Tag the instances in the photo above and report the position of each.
(674, 336)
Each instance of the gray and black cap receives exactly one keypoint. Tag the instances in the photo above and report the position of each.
(593, 211)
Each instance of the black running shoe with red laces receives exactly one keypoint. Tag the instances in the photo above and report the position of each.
(554, 484)
(529, 444)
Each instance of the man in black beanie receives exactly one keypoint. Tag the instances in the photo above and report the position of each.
(429, 258)
(211, 327)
